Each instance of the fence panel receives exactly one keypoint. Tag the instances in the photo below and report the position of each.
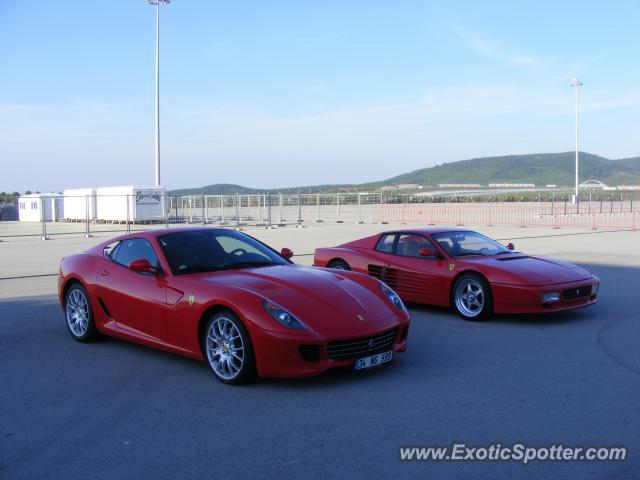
(85, 215)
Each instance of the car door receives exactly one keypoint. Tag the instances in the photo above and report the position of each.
(418, 278)
(134, 300)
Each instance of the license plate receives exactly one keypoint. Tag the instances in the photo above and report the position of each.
(373, 361)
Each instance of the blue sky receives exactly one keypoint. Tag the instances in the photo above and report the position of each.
(277, 93)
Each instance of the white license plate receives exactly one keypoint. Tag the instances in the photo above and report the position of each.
(373, 361)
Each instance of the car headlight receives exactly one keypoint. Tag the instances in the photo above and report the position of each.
(283, 317)
(392, 296)
(550, 297)
(594, 288)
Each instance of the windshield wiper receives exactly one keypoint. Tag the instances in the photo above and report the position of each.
(197, 269)
(502, 253)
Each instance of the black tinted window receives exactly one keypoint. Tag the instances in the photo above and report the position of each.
(197, 251)
(385, 244)
(134, 249)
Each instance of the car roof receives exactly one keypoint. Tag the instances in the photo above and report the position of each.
(158, 232)
(428, 230)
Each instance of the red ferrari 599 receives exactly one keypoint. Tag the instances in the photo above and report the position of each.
(224, 297)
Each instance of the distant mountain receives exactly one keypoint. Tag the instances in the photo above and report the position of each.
(229, 189)
(217, 189)
(540, 168)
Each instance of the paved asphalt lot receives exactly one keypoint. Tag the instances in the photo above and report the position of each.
(118, 410)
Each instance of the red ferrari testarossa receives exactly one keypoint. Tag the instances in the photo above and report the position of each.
(224, 297)
(466, 270)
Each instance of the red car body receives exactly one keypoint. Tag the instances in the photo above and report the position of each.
(517, 281)
(167, 311)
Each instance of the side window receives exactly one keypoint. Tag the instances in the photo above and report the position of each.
(130, 250)
(385, 244)
(110, 250)
(409, 245)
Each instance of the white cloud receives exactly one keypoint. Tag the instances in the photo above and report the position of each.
(92, 144)
(489, 49)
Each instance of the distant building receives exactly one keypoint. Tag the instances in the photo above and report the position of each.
(512, 185)
(459, 185)
(593, 184)
(130, 203)
(38, 207)
(80, 204)
(402, 186)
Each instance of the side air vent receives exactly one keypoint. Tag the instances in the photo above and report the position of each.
(104, 308)
(387, 275)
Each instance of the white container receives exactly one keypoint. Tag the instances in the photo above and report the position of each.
(79, 201)
(38, 207)
(143, 203)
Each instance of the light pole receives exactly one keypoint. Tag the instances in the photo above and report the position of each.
(157, 4)
(576, 84)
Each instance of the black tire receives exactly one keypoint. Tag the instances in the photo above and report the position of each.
(339, 265)
(78, 314)
(221, 354)
(471, 297)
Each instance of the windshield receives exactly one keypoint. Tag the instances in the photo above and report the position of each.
(460, 244)
(198, 251)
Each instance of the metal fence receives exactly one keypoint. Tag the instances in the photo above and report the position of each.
(48, 216)
(623, 216)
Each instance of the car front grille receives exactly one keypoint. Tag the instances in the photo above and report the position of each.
(356, 347)
(571, 293)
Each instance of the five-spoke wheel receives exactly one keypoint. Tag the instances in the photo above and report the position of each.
(472, 297)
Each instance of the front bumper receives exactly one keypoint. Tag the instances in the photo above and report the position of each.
(279, 354)
(528, 299)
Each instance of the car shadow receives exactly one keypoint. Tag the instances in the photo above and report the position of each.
(23, 317)
(449, 313)
(611, 277)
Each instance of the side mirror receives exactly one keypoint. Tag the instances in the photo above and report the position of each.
(286, 253)
(427, 252)
(142, 265)
(511, 246)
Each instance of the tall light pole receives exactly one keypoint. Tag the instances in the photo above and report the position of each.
(576, 84)
(157, 4)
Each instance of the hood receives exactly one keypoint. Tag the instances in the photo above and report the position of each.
(320, 298)
(525, 270)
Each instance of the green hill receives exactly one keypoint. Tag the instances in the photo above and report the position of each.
(540, 168)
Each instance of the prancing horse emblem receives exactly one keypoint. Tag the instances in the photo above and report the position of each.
(192, 299)
(360, 317)
(370, 344)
